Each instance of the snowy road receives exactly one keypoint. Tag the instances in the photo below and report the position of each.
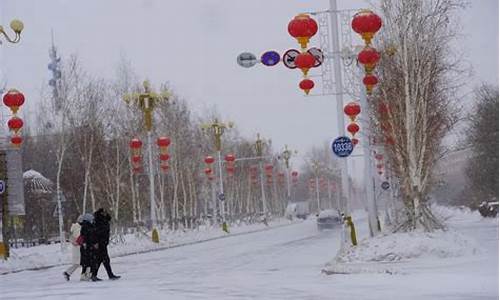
(282, 263)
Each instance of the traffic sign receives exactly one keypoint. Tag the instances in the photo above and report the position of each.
(289, 58)
(221, 197)
(270, 58)
(342, 146)
(2, 186)
(318, 56)
(385, 185)
(246, 59)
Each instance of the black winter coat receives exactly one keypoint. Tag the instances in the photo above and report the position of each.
(102, 226)
(88, 250)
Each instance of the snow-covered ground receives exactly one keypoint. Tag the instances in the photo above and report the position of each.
(282, 263)
(44, 256)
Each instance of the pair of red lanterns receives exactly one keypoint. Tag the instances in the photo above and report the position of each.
(302, 28)
(136, 159)
(367, 24)
(352, 110)
(209, 160)
(14, 99)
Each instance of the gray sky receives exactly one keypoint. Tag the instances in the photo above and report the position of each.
(194, 44)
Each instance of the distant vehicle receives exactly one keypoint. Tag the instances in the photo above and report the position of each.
(297, 210)
(328, 219)
(488, 209)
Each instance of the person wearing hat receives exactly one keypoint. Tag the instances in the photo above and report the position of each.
(88, 249)
(75, 247)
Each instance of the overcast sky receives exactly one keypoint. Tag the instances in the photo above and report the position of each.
(194, 44)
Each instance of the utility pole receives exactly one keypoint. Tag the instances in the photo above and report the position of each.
(4, 245)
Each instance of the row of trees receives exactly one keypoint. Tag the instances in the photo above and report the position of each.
(81, 143)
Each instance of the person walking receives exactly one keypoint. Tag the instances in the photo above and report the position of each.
(88, 249)
(102, 225)
(75, 248)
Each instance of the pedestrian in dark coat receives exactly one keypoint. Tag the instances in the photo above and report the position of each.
(88, 249)
(102, 224)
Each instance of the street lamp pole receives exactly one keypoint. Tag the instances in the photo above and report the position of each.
(259, 144)
(147, 101)
(316, 173)
(287, 154)
(218, 129)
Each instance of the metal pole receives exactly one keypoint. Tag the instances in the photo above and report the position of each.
(288, 188)
(340, 102)
(221, 187)
(262, 191)
(368, 167)
(151, 183)
(317, 194)
(214, 203)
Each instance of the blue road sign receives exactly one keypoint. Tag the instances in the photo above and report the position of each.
(342, 146)
(2, 186)
(270, 58)
(385, 185)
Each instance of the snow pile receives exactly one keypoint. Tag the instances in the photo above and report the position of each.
(381, 253)
(45, 256)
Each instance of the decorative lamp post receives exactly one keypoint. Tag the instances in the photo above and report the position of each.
(147, 101)
(306, 85)
(370, 81)
(259, 147)
(352, 110)
(366, 23)
(286, 155)
(17, 26)
(217, 129)
(316, 167)
(302, 27)
(368, 57)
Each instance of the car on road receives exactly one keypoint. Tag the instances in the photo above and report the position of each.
(328, 219)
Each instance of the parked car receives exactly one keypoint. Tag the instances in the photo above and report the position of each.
(328, 219)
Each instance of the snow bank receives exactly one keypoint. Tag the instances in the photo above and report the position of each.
(379, 254)
(45, 256)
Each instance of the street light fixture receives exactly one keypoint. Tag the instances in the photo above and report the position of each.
(286, 155)
(147, 101)
(17, 26)
(217, 129)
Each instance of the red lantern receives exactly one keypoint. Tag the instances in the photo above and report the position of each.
(164, 157)
(253, 169)
(295, 173)
(15, 124)
(230, 158)
(370, 81)
(163, 141)
(208, 171)
(354, 141)
(352, 110)
(380, 166)
(136, 158)
(368, 57)
(164, 168)
(390, 140)
(302, 27)
(306, 85)
(353, 128)
(230, 170)
(268, 168)
(16, 141)
(137, 169)
(366, 23)
(13, 99)
(209, 160)
(305, 61)
(379, 156)
(135, 143)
